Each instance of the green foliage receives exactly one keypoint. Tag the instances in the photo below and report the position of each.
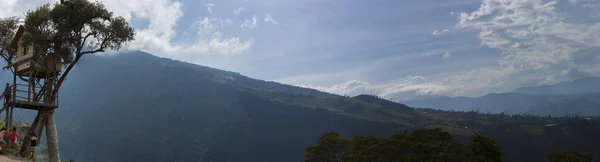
(330, 147)
(68, 27)
(570, 156)
(8, 27)
(39, 25)
(484, 148)
(420, 145)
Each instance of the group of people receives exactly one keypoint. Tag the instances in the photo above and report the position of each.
(12, 140)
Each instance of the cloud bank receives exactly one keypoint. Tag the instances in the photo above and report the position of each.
(539, 46)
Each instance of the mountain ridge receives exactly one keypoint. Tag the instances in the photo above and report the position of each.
(581, 85)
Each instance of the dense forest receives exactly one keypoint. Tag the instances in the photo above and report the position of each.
(419, 145)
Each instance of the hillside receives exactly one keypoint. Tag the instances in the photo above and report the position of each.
(137, 107)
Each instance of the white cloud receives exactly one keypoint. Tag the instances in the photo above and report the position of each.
(249, 24)
(19, 7)
(446, 55)
(237, 11)
(403, 89)
(209, 7)
(436, 32)
(269, 19)
(352, 88)
(539, 47)
(162, 16)
(577, 1)
(158, 37)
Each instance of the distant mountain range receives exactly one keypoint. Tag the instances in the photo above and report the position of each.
(137, 107)
(582, 85)
(580, 97)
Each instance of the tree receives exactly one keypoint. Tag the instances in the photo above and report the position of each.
(7, 32)
(329, 148)
(570, 156)
(435, 145)
(484, 148)
(419, 145)
(67, 28)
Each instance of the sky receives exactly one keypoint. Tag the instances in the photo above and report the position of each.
(399, 50)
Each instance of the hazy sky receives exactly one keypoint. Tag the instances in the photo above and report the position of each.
(398, 49)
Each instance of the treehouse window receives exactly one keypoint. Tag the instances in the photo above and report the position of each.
(24, 48)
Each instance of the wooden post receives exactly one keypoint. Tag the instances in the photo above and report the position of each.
(29, 87)
(10, 118)
(7, 119)
(52, 137)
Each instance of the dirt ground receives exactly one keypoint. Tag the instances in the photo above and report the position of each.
(5, 158)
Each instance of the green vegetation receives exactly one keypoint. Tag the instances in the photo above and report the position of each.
(419, 145)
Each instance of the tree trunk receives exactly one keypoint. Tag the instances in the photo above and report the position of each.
(52, 136)
(37, 126)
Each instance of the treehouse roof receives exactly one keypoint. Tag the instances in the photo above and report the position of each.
(14, 44)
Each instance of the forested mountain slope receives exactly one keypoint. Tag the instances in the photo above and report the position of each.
(137, 107)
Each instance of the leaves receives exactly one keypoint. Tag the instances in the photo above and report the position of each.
(330, 147)
(420, 145)
(8, 28)
(80, 23)
(484, 148)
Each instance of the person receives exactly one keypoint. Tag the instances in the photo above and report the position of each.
(33, 146)
(12, 136)
(2, 135)
(7, 93)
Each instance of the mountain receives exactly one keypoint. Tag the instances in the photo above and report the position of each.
(582, 85)
(518, 103)
(579, 97)
(137, 107)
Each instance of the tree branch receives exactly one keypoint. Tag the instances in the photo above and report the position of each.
(64, 75)
(85, 39)
(101, 49)
(94, 51)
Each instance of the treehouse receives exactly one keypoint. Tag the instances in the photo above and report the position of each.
(37, 68)
(33, 60)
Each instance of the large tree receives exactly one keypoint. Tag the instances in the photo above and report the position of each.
(70, 29)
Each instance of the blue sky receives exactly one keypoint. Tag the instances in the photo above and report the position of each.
(396, 49)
